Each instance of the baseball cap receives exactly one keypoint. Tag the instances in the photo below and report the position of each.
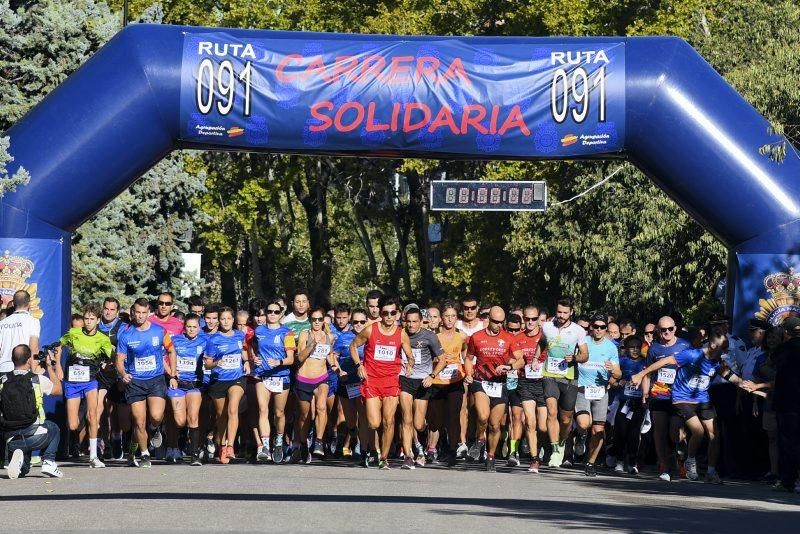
(791, 324)
(410, 307)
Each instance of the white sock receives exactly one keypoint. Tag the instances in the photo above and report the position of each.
(92, 448)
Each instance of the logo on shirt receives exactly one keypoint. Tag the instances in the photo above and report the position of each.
(784, 300)
(154, 341)
(277, 339)
(14, 271)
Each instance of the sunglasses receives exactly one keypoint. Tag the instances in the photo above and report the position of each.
(649, 332)
(531, 319)
(164, 303)
(513, 329)
(274, 312)
(359, 322)
(317, 319)
(387, 313)
(600, 326)
(667, 329)
(470, 308)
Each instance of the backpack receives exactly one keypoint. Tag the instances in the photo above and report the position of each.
(18, 402)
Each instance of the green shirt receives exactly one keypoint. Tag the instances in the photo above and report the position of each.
(96, 346)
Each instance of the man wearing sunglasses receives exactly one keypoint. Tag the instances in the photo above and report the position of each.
(163, 316)
(566, 347)
(470, 323)
(380, 370)
(667, 425)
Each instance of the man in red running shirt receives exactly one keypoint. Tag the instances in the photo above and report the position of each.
(380, 372)
(491, 350)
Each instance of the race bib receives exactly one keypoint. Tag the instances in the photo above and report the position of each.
(533, 372)
(321, 351)
(493, 389)
(699, 382)
(385, 353)
(186, 365)
(145, 364)
(449, 372)
(512, 374)
(230, 361)
(594, 392)
(353, 390)
(632, 391)
(666, 376)
(78, 373)
(274, 384)
(557, 366)
(417, 356)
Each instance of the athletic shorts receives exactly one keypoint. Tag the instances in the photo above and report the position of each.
(139, 390)
(305, 391)
(286, 383)
(661, 405)
(181, 391)
(116, 393)
(414, 387)
(514, 398)
(380, 389)
(598, 409)
(563, 390)
(333, 383)
(703, 410)
(531, 389)
(78, 390)
(341, 391)
(443, 391)
(218, 389)
(107, 378)
(477, 387)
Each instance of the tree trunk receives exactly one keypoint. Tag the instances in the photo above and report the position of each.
(418, 208)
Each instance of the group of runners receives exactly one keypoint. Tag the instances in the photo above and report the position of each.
(428, 385)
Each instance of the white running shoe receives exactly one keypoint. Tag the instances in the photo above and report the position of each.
(619, 468)
(96, 463)
(50, 468)
(14, 467)
(665, 477)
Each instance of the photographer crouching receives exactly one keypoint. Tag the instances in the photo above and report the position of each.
(22, 417)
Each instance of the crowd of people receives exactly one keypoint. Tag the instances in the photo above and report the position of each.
(459, 382)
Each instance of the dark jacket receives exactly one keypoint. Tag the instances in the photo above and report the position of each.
(786, 397)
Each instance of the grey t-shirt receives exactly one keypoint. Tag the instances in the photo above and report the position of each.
(425, 346)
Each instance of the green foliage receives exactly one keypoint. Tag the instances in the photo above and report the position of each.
(9, 182)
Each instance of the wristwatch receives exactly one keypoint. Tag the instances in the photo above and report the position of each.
(431, 375)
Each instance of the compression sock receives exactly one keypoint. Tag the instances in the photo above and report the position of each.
(92, 448)
(265, 441)
(514, 445)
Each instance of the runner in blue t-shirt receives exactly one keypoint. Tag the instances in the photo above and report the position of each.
(187, 398)
(140, 365)
(349, 389)
(696, 369)
(272, 353)
(225, 355)
(630, 414)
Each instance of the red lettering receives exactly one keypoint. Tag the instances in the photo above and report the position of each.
(395, 115)
(371, 71)
(286, 78)
(475, 122)
(444, 118)
(337, 120)
(457, 70)
(315, 112)
(397, 68)
(426, 65)
(317, 67)
(373, 126)
(343, 66)
(408, 126)
(514, 120)
(493, 119)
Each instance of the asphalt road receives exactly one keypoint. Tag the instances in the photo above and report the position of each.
(335, 496)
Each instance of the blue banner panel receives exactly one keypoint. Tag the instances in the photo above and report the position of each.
(767, 288)
(439, 96)
(35, 266)
(476, 195)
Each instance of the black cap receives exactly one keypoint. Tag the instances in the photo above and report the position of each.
(760, 323)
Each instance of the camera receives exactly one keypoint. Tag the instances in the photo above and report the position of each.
(46, 352)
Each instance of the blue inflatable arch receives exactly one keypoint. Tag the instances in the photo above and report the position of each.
(652, 100)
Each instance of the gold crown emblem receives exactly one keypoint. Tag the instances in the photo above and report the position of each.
(784, 290)
(14, 271)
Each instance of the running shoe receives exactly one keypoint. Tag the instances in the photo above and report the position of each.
(633, 470)
(451, 459)
(145, 463)
(580, 444)
(263, 454)
(769, 478)
(222, 458)
(196, 460)
(383, 464)
(156, 439)
(408, 463)
(319, 450)
(524, 448)
(346, 452)
(619, 468)
(557, 456)
(419, 449)
(296, 456)
(461, 451)
(490, 466)
(691, 469)
(712, 477)
(14, 466)
(306, 453)
(513, 460)
(535, 464)
(780, 488)
(420, 460)
(590, 470)
(277, 453)
(116, 450)
(50, 469)
(476, 450)
(96, 463)
(665, 477)
(566, 464)
(132, 462)
(229, 452)
(211, 448)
